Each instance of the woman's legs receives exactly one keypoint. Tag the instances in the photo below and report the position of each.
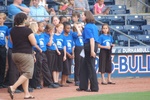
(24, 81)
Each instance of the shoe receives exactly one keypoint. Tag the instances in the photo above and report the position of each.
(29, 89)
(10, 93)
(18, 91)
(111, 83)
(103, 83)
(65, 85)
(30, 97)
(53, 86)
(76, 83)
(5, 86)
(58, 84)
(78, 89)
(38, 87)
(69, 82)
(91, 90)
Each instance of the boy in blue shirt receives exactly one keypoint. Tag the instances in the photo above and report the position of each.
(3, 35)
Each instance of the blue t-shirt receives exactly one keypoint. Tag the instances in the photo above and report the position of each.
(90, 31)
(13, 10)
(69, 43)
(47, 39)
(78, 40)
(10, 45)
(60, 41)
(105, 40)
(3, 34)
(40, 39)
(38, 11)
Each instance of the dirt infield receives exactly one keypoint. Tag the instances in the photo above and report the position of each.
(122, 85)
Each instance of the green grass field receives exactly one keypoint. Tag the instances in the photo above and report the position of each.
(118, 96)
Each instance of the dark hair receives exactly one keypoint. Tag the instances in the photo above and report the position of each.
(52, 18)
(20, 18)
(61, 17)
(66, 24)
(89, 17)
(105, 24)
(76, 14)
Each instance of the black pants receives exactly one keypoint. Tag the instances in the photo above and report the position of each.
(78, 62)
(88, 71)
(2, 64)
(41, 66)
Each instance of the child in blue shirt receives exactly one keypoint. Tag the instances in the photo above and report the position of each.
(3, 35)
(78, 40)
(41, 64)
(105, 45)
(52, 52)
(69, 53)
(61, 45)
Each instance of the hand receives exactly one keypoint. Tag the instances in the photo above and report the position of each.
(93, 54)
(108, 47)
(58, 52)
(64, 58)
(40, 50)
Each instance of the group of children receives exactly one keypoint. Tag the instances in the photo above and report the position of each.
(60, 43)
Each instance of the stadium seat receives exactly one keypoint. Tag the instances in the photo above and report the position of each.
(1, 2)
(123, 40)
(115, 12)
(103, 19)
(9, 2)
(115, 33)
(26, 2)
(133, 29)
(3, 9)
(8, 23)
(136, 20)
(146, 29)
(117, 7)
(144, 38)
(116, 20)
(109, 2)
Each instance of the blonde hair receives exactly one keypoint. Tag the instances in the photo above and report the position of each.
(3, 15)
(34, 27)
(49, 27)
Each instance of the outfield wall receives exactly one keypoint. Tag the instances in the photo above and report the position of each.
(128, 62)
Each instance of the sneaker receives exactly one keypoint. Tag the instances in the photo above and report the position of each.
(18, 91)
(53, 86)
(77, 83)
(69, 82)
(38, 87)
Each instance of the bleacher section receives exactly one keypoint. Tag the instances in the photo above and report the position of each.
(119, 18)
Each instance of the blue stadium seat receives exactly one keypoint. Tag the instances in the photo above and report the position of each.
(115, 33)
(8, 23)
(133, 29)
(26, 2)
(1, 2)
(109, 2)
(117, 7)
(103, 19)
(144, 38)
(3, 9)
(136, 20)
(146, 29)
(9, 2)
(116, 20)
(123, 40)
